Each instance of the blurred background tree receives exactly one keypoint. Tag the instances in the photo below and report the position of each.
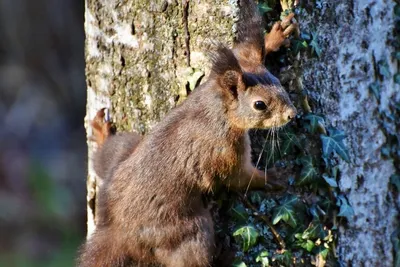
(42, 140)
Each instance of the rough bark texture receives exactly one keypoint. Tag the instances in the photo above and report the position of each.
(140, 56)
(354, 35)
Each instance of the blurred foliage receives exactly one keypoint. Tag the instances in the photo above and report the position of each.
(42, 139)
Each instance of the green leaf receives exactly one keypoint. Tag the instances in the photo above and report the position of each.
(298, 45)
(345, 209)
(395, 181)
(334, 142)
(396, 78)
(264, 8)
(239, 213)
(329, 180)
(285, 258)
(383, 67)
(375, 89)
(290, 141)
(263, 258)
(308, 173)
(314, 45)
(248, 235)
(238, 263)
(314, 231)
(308, 245)
(315, 121)
(286, 211)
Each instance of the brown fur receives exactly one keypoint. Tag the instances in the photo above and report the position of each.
(152, 209)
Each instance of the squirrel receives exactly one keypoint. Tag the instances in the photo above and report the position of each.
(151, 208)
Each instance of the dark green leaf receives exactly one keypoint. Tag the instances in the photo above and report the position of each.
(314, 45)
(286, 211)
(330, 181)
(264, 8)
(298, 45)
(396, 78)
(285, 258)
(334, 142)
(314, 231)
(315, 121)
(248, 235)
(383, 68)
(239, 213)
(263, 258)
(290, 141)
(308, 172)
(345, 209)
(395, 181)
(375, 89)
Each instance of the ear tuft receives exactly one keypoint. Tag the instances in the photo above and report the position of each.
(226, 69)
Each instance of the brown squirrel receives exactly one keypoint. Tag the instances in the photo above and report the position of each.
(151, 205)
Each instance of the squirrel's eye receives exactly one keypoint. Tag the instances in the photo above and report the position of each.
(260, 105)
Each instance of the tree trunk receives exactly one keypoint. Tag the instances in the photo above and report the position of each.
(356, 39)
(142, 58)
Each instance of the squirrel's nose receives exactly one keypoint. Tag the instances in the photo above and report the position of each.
(290, 113)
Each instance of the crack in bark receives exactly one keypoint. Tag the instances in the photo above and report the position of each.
(185, 16)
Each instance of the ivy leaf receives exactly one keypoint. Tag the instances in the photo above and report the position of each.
(396, 78)
(315, 121)
(263, 258)
(308, 172)
(395, 181)
(286, 211)
(308, 245)
(383, 67)
(264, 8)
(329, 180)
(239, 213)
(238, 263)
(314, 231)
(285, 258)
(298, 45)
(248, 235)
(375, 90)
(334, 142)
(290, 140)
(345, 209)
(314, 45)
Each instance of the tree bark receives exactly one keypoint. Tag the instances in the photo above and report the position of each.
(355, 38)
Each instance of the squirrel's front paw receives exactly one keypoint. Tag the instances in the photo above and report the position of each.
(274, 183)
(279, 34)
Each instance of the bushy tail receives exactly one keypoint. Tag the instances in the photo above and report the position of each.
(250, 24)
(100, 250)
(113, 148)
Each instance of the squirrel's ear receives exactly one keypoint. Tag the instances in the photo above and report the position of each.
(226, 70)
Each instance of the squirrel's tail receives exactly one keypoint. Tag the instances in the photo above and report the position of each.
(113, 148)
(100, 251)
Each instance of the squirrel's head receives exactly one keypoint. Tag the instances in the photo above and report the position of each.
(254, 98)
